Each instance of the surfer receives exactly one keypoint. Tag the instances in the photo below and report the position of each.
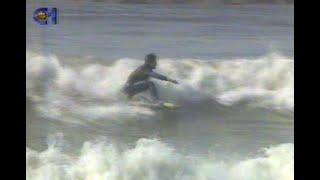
(138, 80)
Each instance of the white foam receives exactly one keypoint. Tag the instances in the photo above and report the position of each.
(150, 159)
(59, 90)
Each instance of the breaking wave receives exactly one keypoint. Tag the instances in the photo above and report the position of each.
(92, 91)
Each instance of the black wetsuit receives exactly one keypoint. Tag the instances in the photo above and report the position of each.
(138, 81)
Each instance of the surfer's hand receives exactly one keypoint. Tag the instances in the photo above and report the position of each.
(173, 81)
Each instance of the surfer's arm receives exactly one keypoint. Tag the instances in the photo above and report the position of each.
(162, 77)
(158, 76)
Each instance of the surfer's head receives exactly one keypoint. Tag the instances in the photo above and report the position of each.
(151, 60)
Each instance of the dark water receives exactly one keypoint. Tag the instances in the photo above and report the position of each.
(178, 31)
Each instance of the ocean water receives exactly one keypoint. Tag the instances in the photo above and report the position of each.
(235, 68)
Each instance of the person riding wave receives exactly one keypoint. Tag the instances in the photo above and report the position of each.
(138, 80)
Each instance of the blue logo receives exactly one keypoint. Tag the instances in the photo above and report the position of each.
(45, 16)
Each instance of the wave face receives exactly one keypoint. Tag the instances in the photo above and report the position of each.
(266, 82)
(150, 159)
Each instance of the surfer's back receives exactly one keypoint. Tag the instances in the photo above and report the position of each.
(140, 74)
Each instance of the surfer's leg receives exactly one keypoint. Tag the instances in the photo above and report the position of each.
(153, 91)
(136, 88)
(139, 87)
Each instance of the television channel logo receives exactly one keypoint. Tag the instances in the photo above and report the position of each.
(46, 16)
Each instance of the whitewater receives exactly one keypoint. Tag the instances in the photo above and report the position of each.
(266, 82)
(151, 159)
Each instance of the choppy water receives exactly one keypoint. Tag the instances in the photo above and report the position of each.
(235, 68)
